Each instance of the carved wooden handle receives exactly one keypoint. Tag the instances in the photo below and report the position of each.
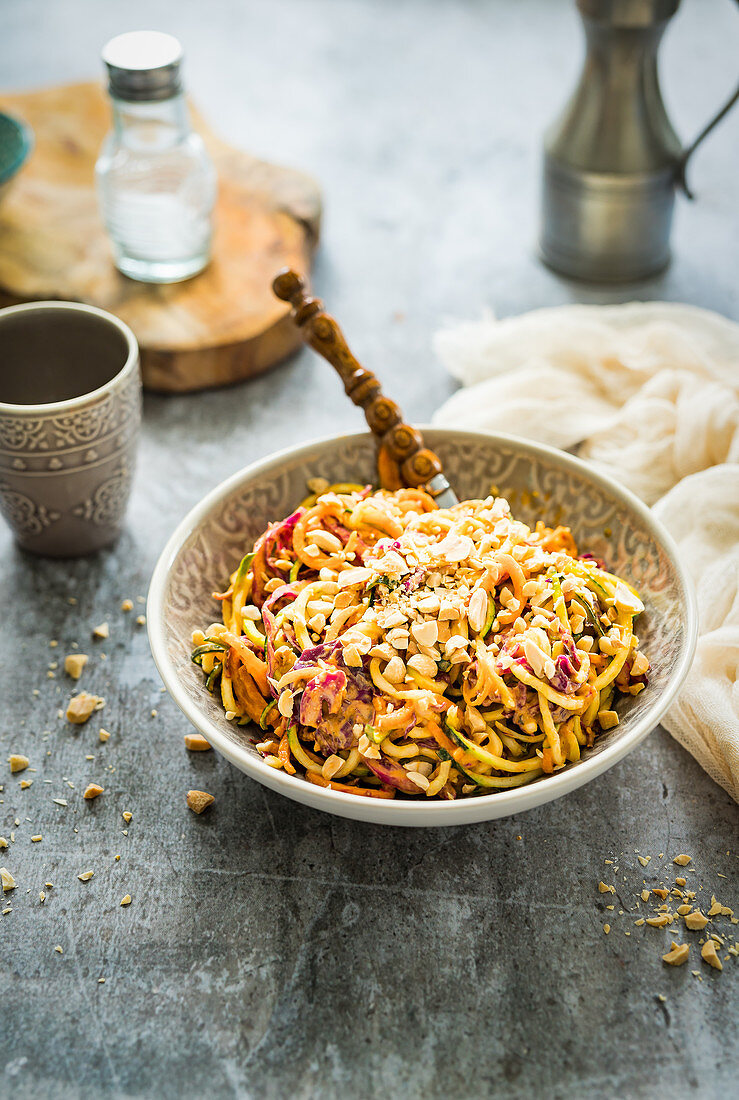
(402, 451)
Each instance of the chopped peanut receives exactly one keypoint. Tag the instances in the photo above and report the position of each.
(7, 880)
(678, 955)
(708, 954)
(102, 631)
(81, 707)
(195, 742)
(18, 763)
(92, 791)
(199, 801)
(717, 909)
(74, 663)
(695, 920)
(640, 665)
(331, 765)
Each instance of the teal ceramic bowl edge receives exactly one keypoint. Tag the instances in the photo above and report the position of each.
(16, 143)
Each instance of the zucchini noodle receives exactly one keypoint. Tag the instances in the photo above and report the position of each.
(415, 652)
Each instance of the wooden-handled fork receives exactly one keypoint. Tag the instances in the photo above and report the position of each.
(402, 458)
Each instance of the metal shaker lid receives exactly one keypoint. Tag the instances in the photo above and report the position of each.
(143, 66)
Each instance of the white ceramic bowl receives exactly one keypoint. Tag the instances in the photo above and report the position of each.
(539, 482)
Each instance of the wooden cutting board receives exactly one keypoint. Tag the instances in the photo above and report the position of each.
(222, 326)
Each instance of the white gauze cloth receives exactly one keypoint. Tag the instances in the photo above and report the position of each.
(649, 392)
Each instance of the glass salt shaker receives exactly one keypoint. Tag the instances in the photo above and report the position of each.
(156, 183)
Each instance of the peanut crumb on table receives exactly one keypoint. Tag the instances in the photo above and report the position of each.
(199, 801)
(717, 909)
(695, 920)
(17, 762)
(709, 955)
(102, 631)
(7, 880)
(82, 706)
(92, 791)
(195, 742)
(677, 955)
(74, 664)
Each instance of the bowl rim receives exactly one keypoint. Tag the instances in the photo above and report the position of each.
(418, 813)
(25, 133)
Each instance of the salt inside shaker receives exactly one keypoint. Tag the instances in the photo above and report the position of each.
(156, 183)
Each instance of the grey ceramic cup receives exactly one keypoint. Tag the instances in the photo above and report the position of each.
(70, 410)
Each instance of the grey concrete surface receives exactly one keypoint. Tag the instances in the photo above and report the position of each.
(270, 951)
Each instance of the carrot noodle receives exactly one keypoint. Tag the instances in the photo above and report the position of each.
(394, 649)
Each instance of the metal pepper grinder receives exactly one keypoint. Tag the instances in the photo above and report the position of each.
(612, 161)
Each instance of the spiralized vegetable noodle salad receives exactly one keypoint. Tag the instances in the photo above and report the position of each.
(390, 648)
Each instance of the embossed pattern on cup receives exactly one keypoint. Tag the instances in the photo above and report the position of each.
(70, 411)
